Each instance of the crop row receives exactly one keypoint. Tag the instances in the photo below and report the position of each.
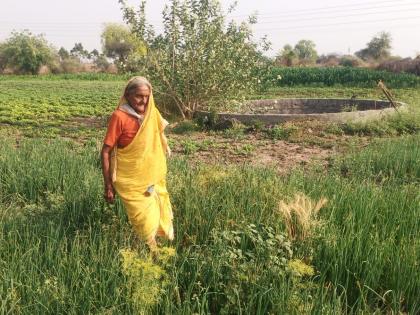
(346, 76)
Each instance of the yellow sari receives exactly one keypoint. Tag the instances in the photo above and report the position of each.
(138, 174)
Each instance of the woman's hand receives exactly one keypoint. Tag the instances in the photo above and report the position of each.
(109, 194)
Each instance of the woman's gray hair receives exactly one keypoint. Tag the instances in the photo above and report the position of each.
(136, 82)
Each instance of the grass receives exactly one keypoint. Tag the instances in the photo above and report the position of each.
(60, 242)
(63, 250)
(77, 105)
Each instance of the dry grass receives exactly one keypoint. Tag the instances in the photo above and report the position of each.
(300, 215)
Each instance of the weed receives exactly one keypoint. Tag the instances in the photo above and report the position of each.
(245, 149)
(349, 108)
(281, 132)
(185, 127)
(189, 146)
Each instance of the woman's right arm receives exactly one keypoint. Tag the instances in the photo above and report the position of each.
(111, 138)
(109, 192)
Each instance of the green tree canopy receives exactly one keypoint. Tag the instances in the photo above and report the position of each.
(79, 51)
(379, 48)
(26, 53)
(305, 51)
(286, 56)
(120, 44)
(63, 53)
(199, 59)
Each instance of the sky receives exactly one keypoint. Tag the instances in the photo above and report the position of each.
(335, 26)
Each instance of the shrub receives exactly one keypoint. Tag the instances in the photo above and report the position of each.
(26, 53)
(199, 60)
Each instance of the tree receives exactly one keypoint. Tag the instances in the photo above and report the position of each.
(101, 62)
(306, 52)
(63, 53)
(287, 56)
(120, 44)
(26, 52)
(94, 54)
(79, 51)
(379, 48)
(3, 61)
(198, 60)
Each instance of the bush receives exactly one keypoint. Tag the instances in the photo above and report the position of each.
(199, 60)
(281, 132)
(351, 61)
(71, 65)
(26, 53)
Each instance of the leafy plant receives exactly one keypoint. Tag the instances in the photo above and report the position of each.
(26, 52)
(184, 127)
(280, 132)
(245, 149)
(198, 60)
(120, 44)
(189, 146)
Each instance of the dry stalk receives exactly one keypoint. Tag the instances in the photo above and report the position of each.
(300, 215)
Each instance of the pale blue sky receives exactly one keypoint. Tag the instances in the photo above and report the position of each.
(340, 26)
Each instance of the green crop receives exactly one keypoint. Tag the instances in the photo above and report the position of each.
(60, 243)
(345, 76)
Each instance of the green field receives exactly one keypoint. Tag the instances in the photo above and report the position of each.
(344, 76)
(64, 251)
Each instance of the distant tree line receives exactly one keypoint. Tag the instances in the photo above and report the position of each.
(376, 54)
(27, 53)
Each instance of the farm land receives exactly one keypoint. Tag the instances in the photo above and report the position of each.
(297, 218)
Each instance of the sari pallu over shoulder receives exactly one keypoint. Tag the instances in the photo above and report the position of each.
(139, 166)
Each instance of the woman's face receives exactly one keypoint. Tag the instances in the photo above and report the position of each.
(138, 98)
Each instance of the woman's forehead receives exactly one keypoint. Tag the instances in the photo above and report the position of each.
(142, 89)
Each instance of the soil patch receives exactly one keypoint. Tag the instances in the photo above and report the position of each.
(251, 149)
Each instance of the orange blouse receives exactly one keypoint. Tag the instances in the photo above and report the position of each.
(122, 129)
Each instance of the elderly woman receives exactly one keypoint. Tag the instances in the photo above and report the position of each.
(134, 162)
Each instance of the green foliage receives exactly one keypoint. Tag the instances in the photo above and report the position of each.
(350, 61)
(306, 52)
(240, 251)
(63, 53)
(377, 192)
(121, 45)
(54, 220)
(303, 53)
(41, 103)
(398, 124)
(26, 53)
(146, 280)
(246, 149)
(287, 56)
(394, 161)
(378, 48)
(189, 146)
(184, 127)
(101, 63)
(345, 76)
(79, 51)
(237, 132)
(198, 60)
(280, 132)
(208, 121)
